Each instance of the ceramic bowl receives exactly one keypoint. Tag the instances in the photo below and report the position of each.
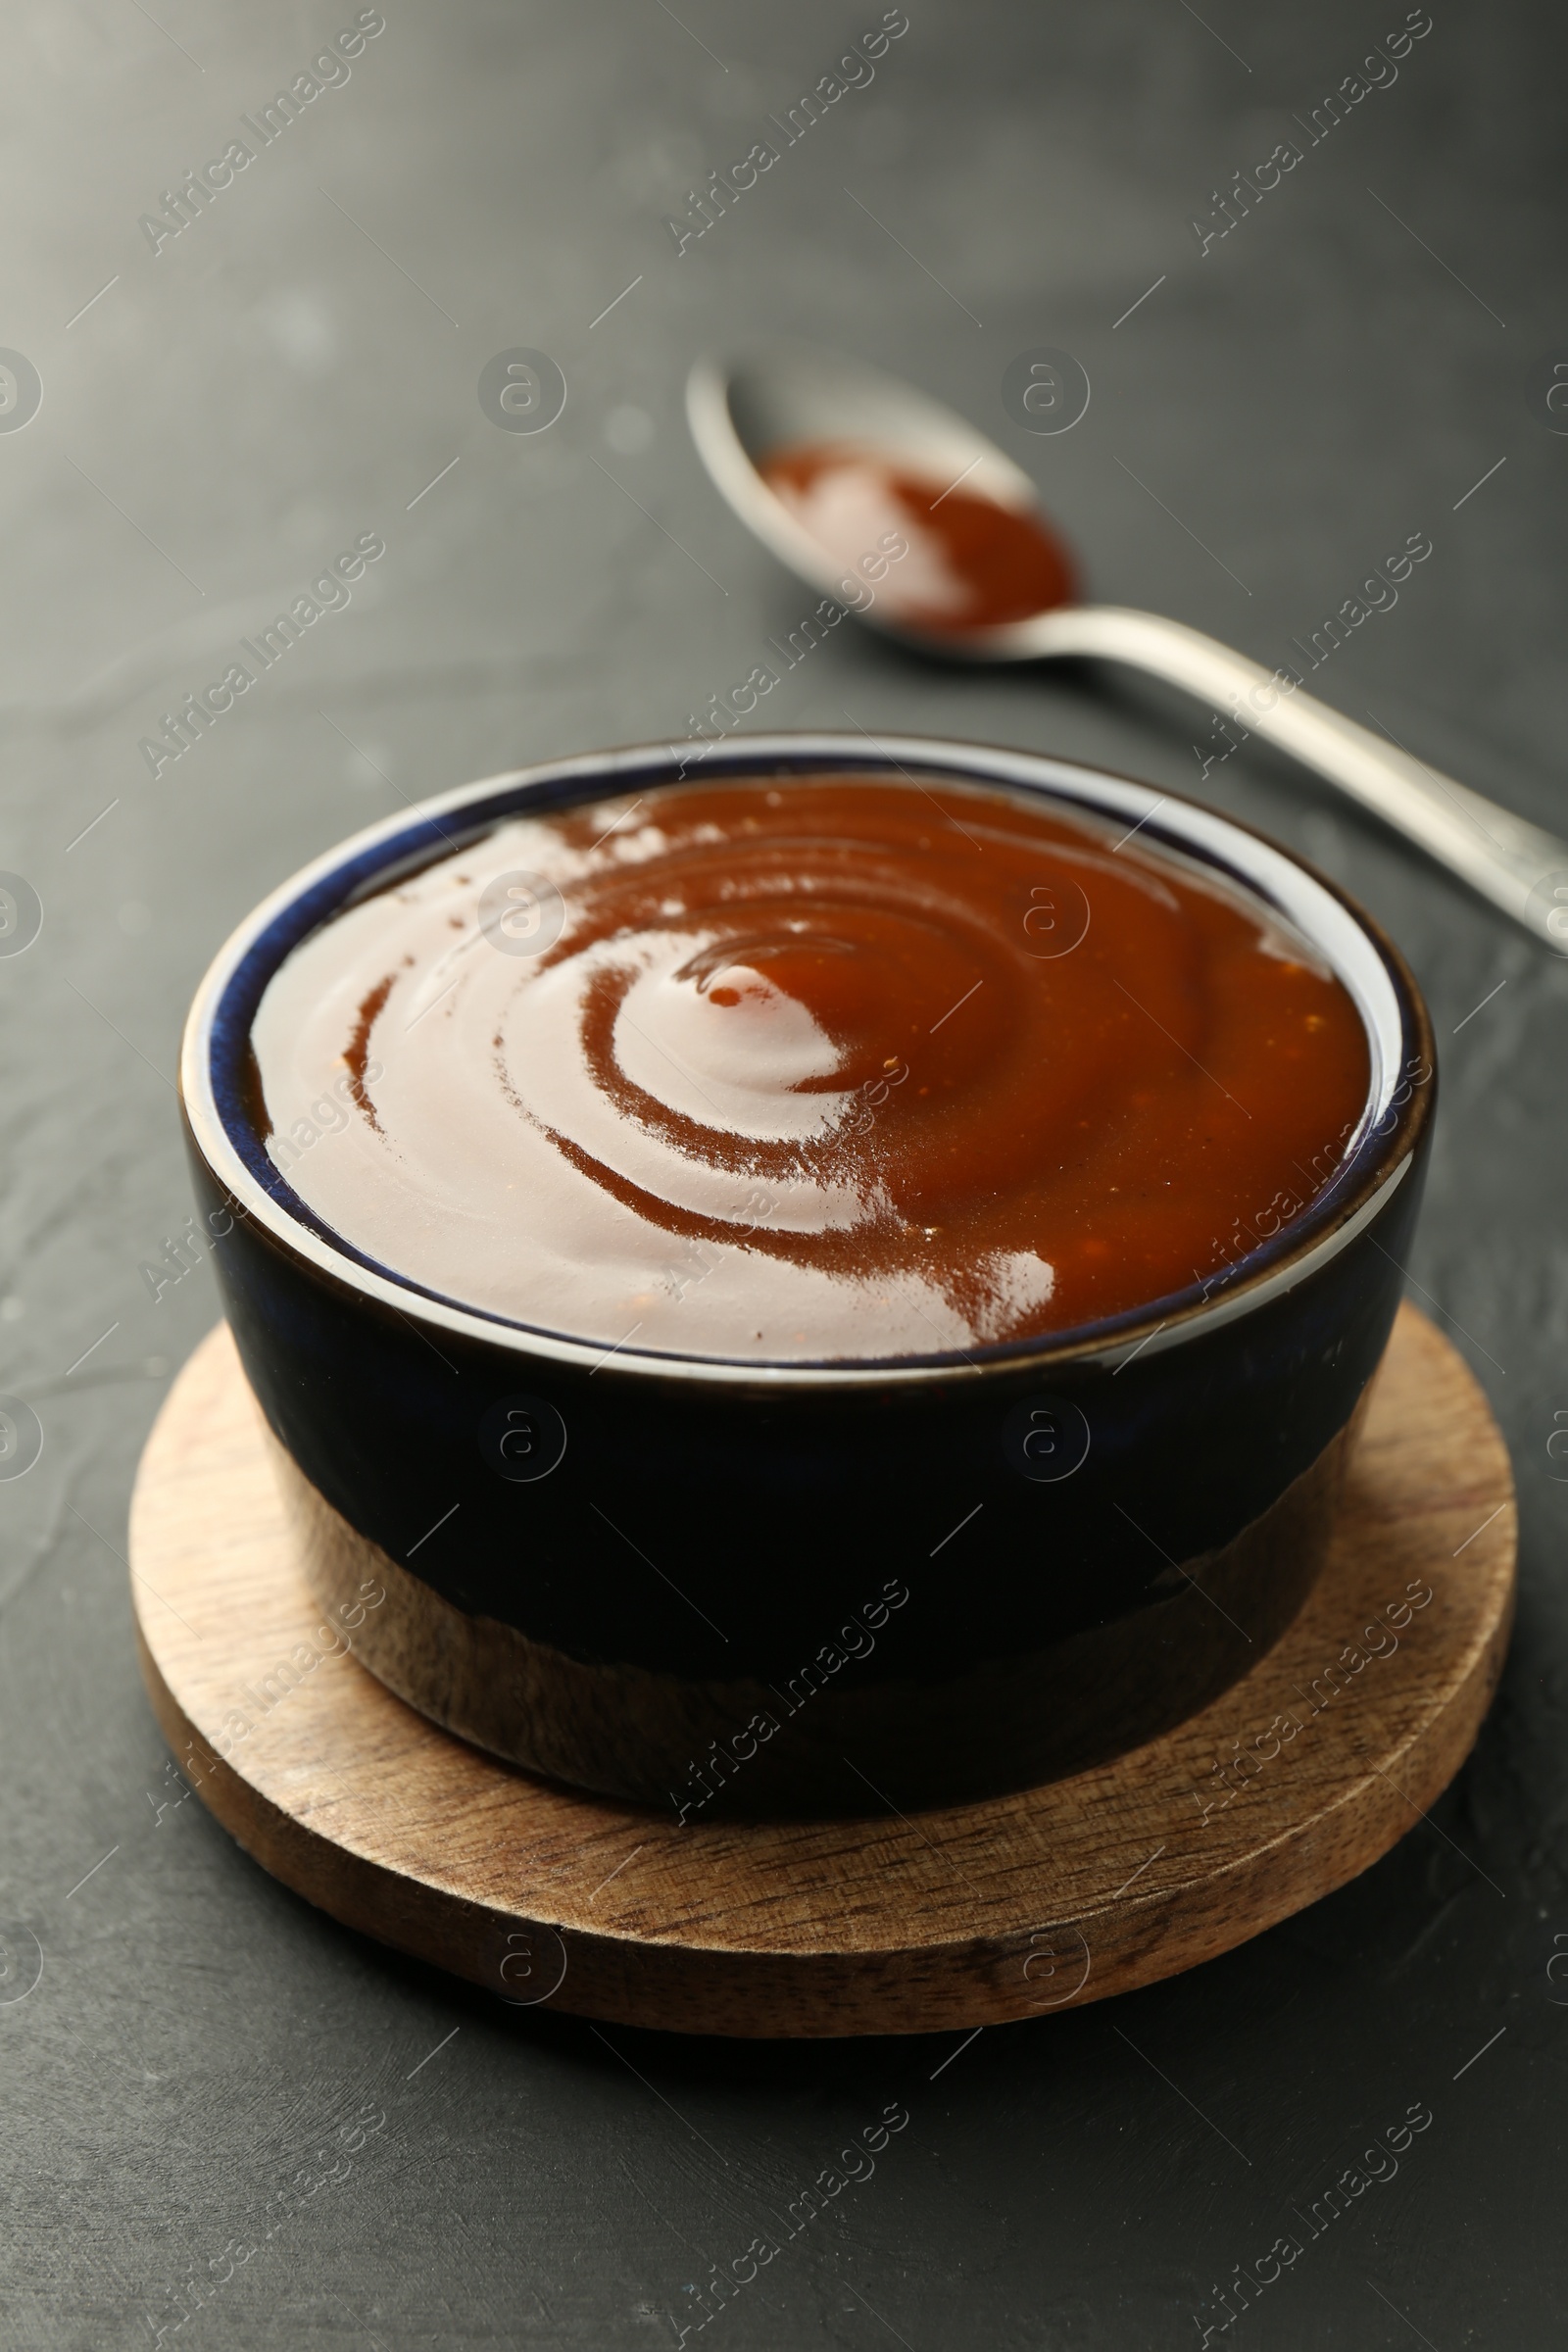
(711, 1586)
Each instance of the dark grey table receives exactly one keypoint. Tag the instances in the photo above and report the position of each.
(1365, 355)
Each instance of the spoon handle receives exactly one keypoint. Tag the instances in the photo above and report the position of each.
(1515, 864)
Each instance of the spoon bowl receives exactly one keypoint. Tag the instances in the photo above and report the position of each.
(791, 396)
(794, 396)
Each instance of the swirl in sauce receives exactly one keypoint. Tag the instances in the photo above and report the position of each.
(815, 1068)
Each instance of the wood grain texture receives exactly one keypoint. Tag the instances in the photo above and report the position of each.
(966, 1916)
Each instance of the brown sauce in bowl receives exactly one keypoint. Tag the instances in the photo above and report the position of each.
(809, 1068)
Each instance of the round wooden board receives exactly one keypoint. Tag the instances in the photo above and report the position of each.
(962, 1916)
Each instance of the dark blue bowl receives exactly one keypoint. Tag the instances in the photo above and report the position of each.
(814, 1587)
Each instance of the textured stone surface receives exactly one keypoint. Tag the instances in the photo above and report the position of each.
(285, 375)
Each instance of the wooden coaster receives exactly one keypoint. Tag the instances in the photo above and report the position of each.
(1302, 1775)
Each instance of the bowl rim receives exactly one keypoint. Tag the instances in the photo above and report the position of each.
(1378, 1158)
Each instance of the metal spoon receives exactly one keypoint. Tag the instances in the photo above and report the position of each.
(797, 395)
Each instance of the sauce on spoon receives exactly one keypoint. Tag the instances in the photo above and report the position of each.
(971, 565)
